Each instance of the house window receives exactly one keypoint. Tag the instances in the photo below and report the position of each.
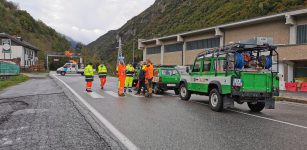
(173, 47)
(203, 44)
(154, 50)
(301, 34)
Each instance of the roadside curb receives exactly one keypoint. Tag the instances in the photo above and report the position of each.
(96, 125)
(289, 99)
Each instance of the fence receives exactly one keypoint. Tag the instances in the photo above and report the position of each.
(9, 68)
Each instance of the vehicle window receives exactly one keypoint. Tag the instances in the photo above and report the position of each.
(219, 65)
(168, 72)
(175, 72)
(74, 66)
(206, 66)
(197, 67)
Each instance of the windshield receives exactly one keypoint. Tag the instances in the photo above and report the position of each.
(169, 72)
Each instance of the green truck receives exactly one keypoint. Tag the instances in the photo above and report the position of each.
(235, 73)
(166, 78)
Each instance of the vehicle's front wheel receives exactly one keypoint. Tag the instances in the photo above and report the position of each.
(216, 100)
(184, 94)
(256, 107)
(63, 73)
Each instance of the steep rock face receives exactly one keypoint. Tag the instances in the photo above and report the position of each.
(167, 17)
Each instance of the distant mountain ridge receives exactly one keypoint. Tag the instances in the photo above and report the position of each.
(72, 42)
(167, 17)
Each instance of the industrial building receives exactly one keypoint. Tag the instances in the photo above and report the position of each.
(288, 31)
(21, 52)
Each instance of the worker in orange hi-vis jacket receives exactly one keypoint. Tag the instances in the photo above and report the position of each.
(148, 77)
(121, 73)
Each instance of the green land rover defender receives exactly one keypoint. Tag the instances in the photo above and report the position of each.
(235, 73)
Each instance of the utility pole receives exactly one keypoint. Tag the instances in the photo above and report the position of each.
(120, 50)
(133, 50)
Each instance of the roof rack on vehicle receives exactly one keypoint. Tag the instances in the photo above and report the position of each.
(237, 47)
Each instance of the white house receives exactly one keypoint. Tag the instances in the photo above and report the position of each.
(20, 50)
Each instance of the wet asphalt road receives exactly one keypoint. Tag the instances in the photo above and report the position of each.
(166, 122)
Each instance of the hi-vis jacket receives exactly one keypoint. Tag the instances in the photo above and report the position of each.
(149, 71)
(129, 71)
(89, 73)
(102, 71)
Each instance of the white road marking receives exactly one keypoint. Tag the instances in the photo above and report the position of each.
(274, 120)
(156, 95)
(122, 138)
(132, 94)
(112, 93)
(94, 95)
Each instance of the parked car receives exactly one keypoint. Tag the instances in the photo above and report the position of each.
(70, 68)
(166, 78)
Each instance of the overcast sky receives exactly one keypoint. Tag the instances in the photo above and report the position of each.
(84, 20)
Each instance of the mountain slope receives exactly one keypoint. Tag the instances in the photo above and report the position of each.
(20, 23)
(167, 17)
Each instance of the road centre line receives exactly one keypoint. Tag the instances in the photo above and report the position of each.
(274, 120)
(122, 138)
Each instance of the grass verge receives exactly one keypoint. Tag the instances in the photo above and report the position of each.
(13, 80)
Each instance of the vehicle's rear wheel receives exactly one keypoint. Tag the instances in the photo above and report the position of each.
(184, 94)
(177, 92)
(82, 74)
(63, 73)
(256, 107)
(216, 100)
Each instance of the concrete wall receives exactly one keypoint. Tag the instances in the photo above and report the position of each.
(293, 52)
(155, 58)
(199, 37)
(173, 58)
(191, 55)
(275, 29)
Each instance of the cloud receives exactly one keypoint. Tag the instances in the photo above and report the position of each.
(84, 20)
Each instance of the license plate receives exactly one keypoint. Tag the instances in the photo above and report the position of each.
(237, 82)
(171, 84)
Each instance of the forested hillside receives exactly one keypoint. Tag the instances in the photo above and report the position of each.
(20, 23)
(167, 17)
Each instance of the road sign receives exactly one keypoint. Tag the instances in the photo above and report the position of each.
(6, 43)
